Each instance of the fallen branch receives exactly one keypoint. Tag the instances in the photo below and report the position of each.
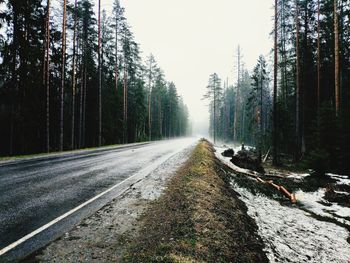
(267, 155)
(280, 188)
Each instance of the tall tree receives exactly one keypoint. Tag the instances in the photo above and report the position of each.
(318, 58)
(297, 92)
(257, 99)
(237, 105)
(99, 77)
(47, 75)
(74, 66)
(336, 59)
(275, 125)
(64, 20)
(214, 95)
(151, 67)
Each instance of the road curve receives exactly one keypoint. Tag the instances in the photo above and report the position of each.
(35, 192)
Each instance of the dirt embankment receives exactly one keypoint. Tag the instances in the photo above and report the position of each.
(198, 219)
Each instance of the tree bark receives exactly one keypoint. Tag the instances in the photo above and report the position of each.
(235, 123)
(63, 70)
(74, 72)
(297, 92)
(318, 59)
(336, 57)
(47, 77)
(275, 133)
(99, 77)
(124, 108)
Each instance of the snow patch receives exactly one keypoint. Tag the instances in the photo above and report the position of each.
(293, 235)
(342, 179)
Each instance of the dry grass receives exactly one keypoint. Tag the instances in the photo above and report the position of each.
(198, 219)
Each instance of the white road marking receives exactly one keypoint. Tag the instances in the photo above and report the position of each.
(142, 172)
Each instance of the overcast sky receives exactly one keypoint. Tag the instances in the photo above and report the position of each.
(191, 39)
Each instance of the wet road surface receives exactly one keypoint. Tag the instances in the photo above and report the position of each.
(35, 192)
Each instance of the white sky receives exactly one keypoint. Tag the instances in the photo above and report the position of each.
(191, 39)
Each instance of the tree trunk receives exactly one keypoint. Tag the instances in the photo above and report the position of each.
(63, 69)
(160, 116)
(74, 72)
(336, 56)
(99, 77)
(124, 108)
(81, 105)
(297, 92)
(261, 114)
(318, 59)
(235, 123)
(47, 77)
(149, 103)
(214, 119)
(84, 105)
(116, 47)
(275, 133)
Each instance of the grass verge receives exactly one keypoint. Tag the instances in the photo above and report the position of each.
(198, 219)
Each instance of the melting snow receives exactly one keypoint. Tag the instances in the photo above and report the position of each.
(314, 202)
(292, 234)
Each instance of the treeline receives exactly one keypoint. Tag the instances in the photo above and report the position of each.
(304, 112)
(72, 79)
(242, 112)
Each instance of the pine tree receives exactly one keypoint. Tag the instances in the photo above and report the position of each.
(214, 95)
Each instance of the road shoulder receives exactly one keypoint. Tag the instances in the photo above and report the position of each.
(188, 214)
(99, 238)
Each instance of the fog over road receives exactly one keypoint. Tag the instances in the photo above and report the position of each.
(35, 192)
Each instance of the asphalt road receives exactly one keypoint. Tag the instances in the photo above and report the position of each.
(35, 192)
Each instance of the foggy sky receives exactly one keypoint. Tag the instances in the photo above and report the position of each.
(191, 39)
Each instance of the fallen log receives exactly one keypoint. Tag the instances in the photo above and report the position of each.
(280, 188)
(274, 185)
(260, 180)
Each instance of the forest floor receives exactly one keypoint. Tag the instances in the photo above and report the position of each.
(186, 215)
(315, 229)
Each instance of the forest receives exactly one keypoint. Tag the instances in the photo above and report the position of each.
(295, 103)
(72, 79)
